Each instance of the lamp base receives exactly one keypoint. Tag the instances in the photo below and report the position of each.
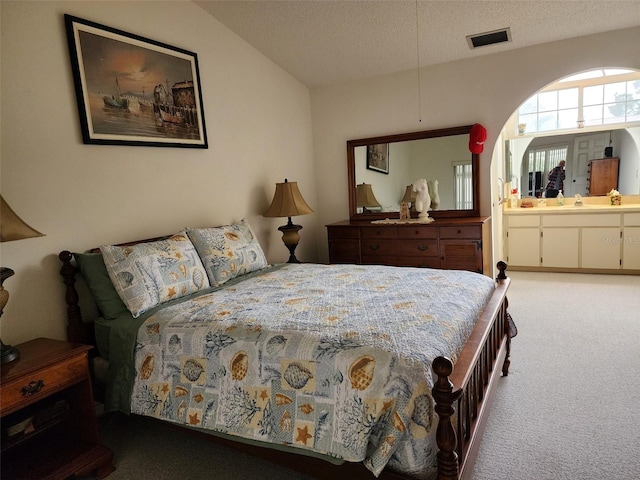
(9, 353)
(291, 237)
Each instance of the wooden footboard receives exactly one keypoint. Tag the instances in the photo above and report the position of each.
(462, 394)
(465, 393)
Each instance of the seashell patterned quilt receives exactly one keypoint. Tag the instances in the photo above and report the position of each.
(330, 358)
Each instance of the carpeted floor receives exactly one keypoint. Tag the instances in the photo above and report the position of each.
(568, 409)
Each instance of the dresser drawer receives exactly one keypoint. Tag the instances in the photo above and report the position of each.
(344, 251)
(466, 231)
(399, 261)
(335, 233)
(375, 246)
(42, 383)
(417, 232)
(409, 247)
(379, 232)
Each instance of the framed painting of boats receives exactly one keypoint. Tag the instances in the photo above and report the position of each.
(134, 91)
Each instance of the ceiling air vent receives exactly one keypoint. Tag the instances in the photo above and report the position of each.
(489, 38)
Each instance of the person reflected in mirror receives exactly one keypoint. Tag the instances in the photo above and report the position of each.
(555, 180)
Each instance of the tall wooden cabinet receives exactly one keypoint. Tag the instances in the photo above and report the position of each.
(602, 175)
(456, 243)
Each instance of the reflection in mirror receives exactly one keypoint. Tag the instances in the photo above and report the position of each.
(365, 198)
(529, 159)
(378, 183)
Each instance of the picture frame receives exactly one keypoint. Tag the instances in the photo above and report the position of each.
(132, 90)
(378, 157)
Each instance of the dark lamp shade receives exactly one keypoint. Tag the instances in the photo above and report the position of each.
(365, 196)
(287, 201)
(409, 195)
(12, 227)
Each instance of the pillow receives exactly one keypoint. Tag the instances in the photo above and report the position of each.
(228, 251)
(148, 274)
(94, 272)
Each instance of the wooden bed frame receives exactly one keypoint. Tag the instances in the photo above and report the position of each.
(465, 390)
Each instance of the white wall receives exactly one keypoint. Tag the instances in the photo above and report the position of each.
(486, 90)
(626, 145)
(259, 129)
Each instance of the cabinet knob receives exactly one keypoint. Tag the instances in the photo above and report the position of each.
(422, 248)
(374, 247)
(33, 388)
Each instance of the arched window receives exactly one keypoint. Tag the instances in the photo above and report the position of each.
(598, 97)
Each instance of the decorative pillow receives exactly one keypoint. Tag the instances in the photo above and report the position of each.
(228, 251)
(95, 273)
(148, 274)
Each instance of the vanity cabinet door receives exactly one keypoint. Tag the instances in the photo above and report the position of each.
(631, 248)
(631, 241)
(523, 247)
(600, 248)
(560, 247)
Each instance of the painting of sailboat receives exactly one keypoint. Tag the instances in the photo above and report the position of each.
(116, 101)
(134, 91)
(143, 103)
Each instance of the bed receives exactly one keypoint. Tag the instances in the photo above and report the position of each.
(333, 369)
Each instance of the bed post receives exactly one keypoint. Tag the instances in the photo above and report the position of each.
(448, 467)
(76, 329)
(502, 267)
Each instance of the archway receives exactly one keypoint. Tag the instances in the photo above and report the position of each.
(603, 120)
(610, 131)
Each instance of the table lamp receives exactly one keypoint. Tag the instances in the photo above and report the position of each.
(288, 202)
(365, 197)
(12, 227)
(409, 196)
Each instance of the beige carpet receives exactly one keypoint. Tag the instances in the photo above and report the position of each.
(568, 410)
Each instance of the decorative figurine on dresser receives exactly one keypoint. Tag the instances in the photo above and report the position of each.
(454, 236)
(423, 200)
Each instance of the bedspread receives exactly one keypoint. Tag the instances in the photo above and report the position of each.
(333, 358)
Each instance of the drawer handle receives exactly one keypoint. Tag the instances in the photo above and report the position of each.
(374, 247)
(422, 248)
(33, 388)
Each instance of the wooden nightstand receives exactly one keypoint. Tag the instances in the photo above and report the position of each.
(49, 426)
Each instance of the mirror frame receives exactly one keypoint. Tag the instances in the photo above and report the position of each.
(403, 137)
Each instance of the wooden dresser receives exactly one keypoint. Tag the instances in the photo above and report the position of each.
(455, 243)
(603, 175)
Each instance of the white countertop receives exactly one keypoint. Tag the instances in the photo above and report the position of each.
(631, 208)
(630, 204)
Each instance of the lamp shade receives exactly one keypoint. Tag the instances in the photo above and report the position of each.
(365, 197)
(409, 195)
(12, 227)
(287, 201)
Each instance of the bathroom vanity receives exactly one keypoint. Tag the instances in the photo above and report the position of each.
(595, 238)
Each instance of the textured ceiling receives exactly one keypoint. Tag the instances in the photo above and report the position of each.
(324, 42)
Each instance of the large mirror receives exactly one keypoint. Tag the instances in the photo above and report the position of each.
(529, 159)
(381, 168)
